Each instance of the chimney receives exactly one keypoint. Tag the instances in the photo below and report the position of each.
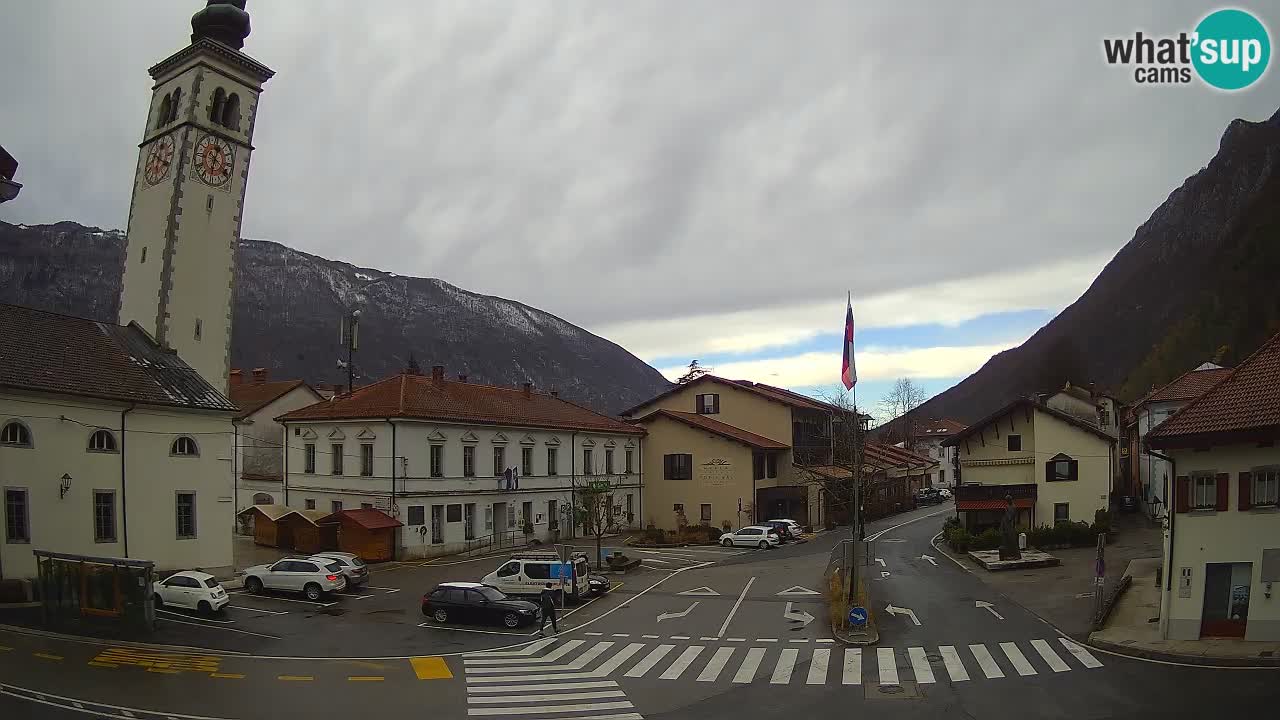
(528, 389)
(462, 377)
(237, 377)
(555, 393)
(437, 373)
(259, 375)
(338, 389)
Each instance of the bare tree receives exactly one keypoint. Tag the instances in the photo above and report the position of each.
(897, 407)
(848, 439)
(595, 508)
(694, 372)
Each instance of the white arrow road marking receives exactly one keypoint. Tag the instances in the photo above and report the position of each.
(798, 590)
(988, 606)
(801, 616)
(881, 561)
(930, 559)
(884, 574)
(903, 611)
(704, 590)
(668, 616)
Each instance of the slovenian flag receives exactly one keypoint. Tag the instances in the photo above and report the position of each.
(849, 368)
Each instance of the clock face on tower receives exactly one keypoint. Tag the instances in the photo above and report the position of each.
(214, 160)
(159, 158)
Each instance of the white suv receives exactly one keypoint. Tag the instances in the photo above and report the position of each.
(313, 576)
(752, 536)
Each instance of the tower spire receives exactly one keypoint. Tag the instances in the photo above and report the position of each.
(223, 20)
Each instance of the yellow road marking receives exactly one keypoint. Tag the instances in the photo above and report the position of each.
(47, 656)
(295, 677)
(95, 663)
(366, 678)
(159, 661)
(166, 671)
(227, 676)
(430, 668)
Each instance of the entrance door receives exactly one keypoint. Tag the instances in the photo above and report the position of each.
(1226, 599)
(499, 522)
(469, 521)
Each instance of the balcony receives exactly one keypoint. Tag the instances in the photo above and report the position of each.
(992, 497)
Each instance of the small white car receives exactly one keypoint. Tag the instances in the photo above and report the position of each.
(757, 536)
(192, 590)
(313, 577)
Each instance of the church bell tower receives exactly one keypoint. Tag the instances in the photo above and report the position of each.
(188, 191)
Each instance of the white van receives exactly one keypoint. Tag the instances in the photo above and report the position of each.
(528, 574)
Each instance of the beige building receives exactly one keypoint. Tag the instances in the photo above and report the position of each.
(259, 438)
(1222, 540)
(1056, 466)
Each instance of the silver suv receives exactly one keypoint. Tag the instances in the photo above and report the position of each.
(353, 568)
(313, 576)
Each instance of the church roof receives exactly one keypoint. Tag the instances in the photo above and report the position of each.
(53, 353)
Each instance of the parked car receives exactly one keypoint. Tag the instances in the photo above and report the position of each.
(313, 576)
(477, 604)
(945, 493)
(759, 536)
(353, 568)
(928, 496)
(790, 527)
(191, 589)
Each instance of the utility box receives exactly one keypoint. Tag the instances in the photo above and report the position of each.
(1022, 541)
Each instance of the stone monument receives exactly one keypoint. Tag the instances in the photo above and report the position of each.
(1009, 532)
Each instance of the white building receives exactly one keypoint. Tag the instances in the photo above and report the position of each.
(434, 452)
(259, 437)
(1222, 541)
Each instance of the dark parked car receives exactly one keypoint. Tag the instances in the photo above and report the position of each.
(782, 528)
(476, 604)
(928, 496)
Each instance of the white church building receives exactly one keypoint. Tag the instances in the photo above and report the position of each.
(117, 439)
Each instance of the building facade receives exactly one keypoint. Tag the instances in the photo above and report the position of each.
(258, 466)
(462, 465)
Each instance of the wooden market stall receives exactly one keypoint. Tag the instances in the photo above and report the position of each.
(265, 523)
(369, 533)
(304, 532)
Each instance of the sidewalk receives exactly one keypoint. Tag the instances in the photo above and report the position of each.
(1134, 629)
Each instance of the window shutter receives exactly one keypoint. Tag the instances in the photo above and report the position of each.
(1048, 471)
(1075, 469)
(666, 467)
(1183, 494)
(1245, 487)
(715, 404)
(1223, 483)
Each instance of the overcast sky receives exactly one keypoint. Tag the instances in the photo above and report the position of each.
(699, 179)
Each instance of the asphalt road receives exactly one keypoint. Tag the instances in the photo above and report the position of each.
(704, 633)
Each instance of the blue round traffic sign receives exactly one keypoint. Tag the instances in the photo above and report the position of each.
(857, 616)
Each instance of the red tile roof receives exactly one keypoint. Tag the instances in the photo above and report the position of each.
(725, 430)
(924, 428)
(49, 352)
(993, 504)
(251, 397)
(367, 518)
(421, 397)
(892, 456)
(1243, 406)
(955, 439)
(786, 397)
(1188, 386)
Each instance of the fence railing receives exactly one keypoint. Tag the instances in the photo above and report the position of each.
(496, 541)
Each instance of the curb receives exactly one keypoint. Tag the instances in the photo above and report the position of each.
(868, 638)
(1200, 660)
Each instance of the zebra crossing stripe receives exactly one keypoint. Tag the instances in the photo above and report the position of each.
(585, 658)
(1049, 656)
(617, 660)
(716, 665)
(543, 687)
(541, 709)
(547, 659)
(852, 667)
(986, 662)
(786, 664)
(1016, 657)
(747, 671)
(1080, 653)
(920, 665)
(818, 667)
(653, 658)
(951, 659)
(888, 666)
(682, 663)
(593, 695)
(530, 678)
(532, 649)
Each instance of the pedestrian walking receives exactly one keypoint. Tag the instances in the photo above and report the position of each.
(547, 598)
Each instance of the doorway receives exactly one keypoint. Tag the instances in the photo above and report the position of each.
(1226, 599)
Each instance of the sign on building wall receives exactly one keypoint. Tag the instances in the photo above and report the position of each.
(716, 472)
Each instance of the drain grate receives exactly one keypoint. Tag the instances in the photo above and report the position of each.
(889, 689)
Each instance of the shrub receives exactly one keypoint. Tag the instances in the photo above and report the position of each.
(958, 538)
(989, 540)
(1102, 521)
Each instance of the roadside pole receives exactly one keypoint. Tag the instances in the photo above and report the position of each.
(1099, 577)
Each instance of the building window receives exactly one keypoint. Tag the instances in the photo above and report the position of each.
(1061, 512)
(417, 515)
(1266, 487)
(335, 506)
(437, 524)
(553, 456)
(184, 447)
(335, 455)
(104, 516)
(678, 508)
(366, 506)
(15, 433)
(1015, 443)
(186, 515)
(499, 461)
(626, 462)
(199, 329)
(942, 477)
(144, 257)
(526, 461)
(166, 106)
(757, 466)
(102, 441)
(630, 505)
(1204, 492)
(17, 516)
(677, 467)
(469, 521)
(437, 461)
(453, 513)
(309, 503)
(553, 518)
(1104, 416)
(216, 107)
(468, 460)
(587, 467)
(771, 465)
(366, 459)
(608, 462)
(488, 517)
(309, 458)
(705, 513)
(231, 113)
(708, 404)
(511, 515)
(1061, 468)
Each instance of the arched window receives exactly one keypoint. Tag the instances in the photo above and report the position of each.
(184, 447)
(173, 109)
(216, 108)
(231, 112)
(263, 499)
(15, 434)
(102, 441)
(162, 117)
